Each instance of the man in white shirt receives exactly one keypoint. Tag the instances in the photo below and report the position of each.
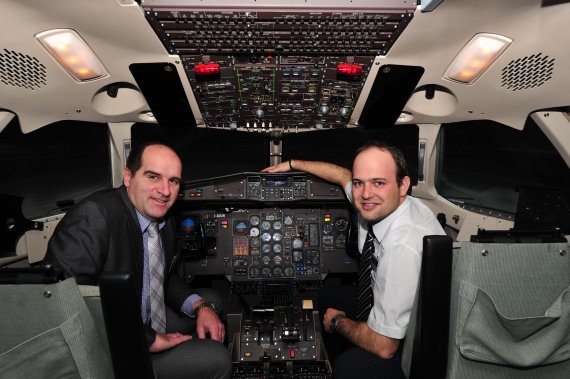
(377, 188)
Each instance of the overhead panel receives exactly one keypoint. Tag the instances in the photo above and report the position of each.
(267, 66)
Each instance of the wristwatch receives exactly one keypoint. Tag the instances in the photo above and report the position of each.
(205, 304)
(334, 322)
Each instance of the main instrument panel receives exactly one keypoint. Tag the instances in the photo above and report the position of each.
(227, 227)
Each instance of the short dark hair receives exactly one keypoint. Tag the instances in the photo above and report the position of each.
(134, 161)
(397, 155)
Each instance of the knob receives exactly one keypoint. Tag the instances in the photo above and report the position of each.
(297, 243)
(254, 272)
(289, 271)
(324, 109)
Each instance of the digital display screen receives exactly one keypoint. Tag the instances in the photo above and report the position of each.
(276, 181)
(189, 224)
(240, 227)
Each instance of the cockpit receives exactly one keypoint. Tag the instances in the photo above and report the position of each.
(474, 94)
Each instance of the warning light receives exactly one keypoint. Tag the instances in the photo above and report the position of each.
(207, 69)
(348, 69)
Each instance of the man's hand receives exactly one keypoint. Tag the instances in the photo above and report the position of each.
(329, 314)
(209, 322)
(164, 342)
(361, 335)
(281, 167)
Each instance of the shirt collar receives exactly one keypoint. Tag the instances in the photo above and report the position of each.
(145, 222)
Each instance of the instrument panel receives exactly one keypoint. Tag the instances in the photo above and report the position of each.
(269, 243)
(258, 227)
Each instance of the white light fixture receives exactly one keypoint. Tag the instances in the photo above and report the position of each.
(476, 57)
(71, 51)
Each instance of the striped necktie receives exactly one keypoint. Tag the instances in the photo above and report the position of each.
(156, 270)
(365, 296)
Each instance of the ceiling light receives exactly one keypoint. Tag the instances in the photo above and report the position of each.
(476, 57)
(71, 51)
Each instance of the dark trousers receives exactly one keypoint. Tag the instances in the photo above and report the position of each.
(348, 360)
(195, 358)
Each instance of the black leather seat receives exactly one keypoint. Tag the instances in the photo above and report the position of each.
(426, 343)
(123, 322)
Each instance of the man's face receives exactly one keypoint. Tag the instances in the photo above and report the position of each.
(374, 187)
(154, 187)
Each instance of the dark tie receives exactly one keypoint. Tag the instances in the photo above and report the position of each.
(365, 296)
(156, 270)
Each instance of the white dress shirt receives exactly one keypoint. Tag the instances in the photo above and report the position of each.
(398, 250)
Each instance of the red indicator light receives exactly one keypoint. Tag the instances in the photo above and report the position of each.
(202, 69)
(348, 69)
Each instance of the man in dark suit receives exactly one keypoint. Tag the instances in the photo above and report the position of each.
(109, 231)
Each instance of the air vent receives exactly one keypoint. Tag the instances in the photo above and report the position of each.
(20, 70)
(528, 72)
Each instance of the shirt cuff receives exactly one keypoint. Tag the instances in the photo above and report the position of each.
(189, 303)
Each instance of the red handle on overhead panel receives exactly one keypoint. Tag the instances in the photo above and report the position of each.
(348, 69)
(202, 69)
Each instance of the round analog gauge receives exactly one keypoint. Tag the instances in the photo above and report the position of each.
(289, 271)
(277, 248)
(327, 228)
(277, 225)
(297, 243)
(266, 237)
(277, 259)
(254, 242)
(266, 272)
(341, 224)
(266, 260)
(254, 220)
(266, 248)
(277, 271)
(254, 232)
(265, 225)
(288, 220)
(277, 237)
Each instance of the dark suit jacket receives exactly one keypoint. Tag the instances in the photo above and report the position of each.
(102, 233)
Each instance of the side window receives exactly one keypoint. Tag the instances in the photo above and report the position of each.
(488, 166)
(54, 166)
